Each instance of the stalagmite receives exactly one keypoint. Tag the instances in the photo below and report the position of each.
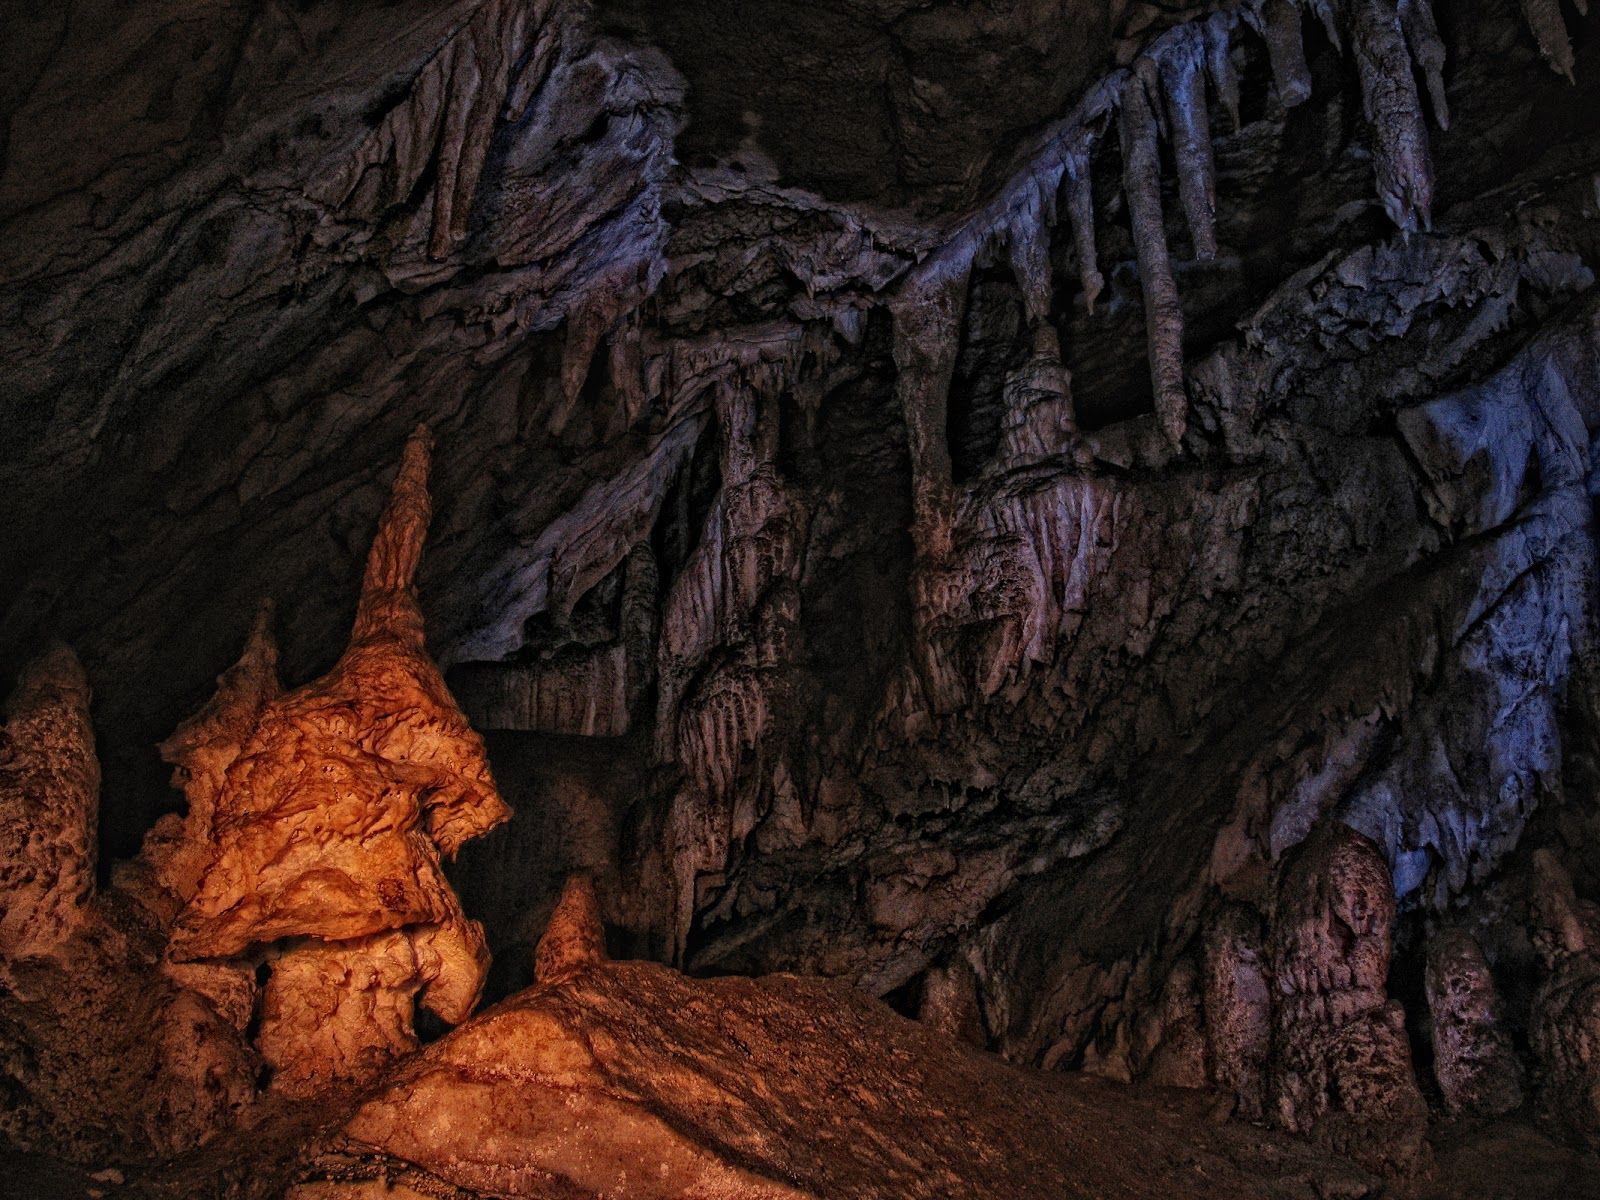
(1549, 29)
(575, 938)
(202, 749)
(1472, 1056)
(1179, 1057)
(49, 795)
(1564, 1023)
(1080, 212)
(1163, 314)
(951, 1005)
(1401, 156)
(1341, 1063)
(1039, 421)
(329, 825)
(103, 1051)
(1183, 81)
(1278, 22)
(1427, 49)
(1236, 997)
(1218, 34)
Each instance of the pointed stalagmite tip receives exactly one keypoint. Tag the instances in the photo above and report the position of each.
(241, 692)
(56, 671)
(575, 939)
(388, 600)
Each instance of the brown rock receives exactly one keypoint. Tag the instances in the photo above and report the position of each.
(49, 796)
(1341, 1064)
(1473, 1061)
(633, 1080)
(1237, 1002)
(323, 815)
(575, 938)
(1564, 1026)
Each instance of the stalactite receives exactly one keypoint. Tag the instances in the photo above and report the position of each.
(1550, 31)
(1218, 34)
(625, 362)
(1330, 13)
(1190, 130)
(1278, 21)
(1080, 212)
(1141, 161)
(1427, 48)
(1394, 114)
(1028, 250)
(927, 334)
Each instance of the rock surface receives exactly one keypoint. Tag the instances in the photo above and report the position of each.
(1473, 1061)
(630, 1079)
(322, 814)
(946, 497)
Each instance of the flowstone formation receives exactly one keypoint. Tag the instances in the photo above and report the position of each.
(317, 822)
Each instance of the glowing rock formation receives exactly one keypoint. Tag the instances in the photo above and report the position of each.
(324, 813)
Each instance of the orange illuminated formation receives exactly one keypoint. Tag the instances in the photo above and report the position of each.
(317, 821)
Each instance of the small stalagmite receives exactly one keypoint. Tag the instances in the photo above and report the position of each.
(1236, 998)
(951, 1004)
(49, 792)
(327, 824)
(575, 938)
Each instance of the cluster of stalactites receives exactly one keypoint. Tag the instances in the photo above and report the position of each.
(1165, 94)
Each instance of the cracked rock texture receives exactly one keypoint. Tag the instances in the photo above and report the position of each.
(963, 500)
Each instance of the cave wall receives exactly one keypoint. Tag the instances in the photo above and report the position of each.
(833, 582)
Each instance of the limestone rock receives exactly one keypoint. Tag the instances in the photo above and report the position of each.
(1564, 1026)
(1473, 1060)
(1341, 1063)
(322, 814)
(630, 1079)
(49, 802)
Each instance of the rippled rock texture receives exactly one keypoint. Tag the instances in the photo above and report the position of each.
(964, 501)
